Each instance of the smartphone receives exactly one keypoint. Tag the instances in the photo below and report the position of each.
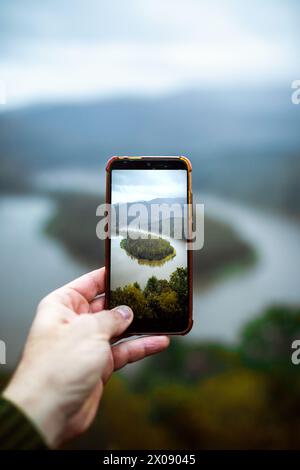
(148, 263)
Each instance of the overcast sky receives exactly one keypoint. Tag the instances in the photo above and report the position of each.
(144, 185)
(73, 49)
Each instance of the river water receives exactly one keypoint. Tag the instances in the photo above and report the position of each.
(127, 270)
(33, 264)
(222, 310)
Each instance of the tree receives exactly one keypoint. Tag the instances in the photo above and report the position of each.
(168, 304)
(133, 296)
(179, 283)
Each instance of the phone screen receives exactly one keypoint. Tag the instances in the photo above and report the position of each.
(148, 252)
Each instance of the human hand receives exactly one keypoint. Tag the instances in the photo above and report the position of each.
(68, 358)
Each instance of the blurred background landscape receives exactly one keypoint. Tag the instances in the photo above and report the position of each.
(85, 80)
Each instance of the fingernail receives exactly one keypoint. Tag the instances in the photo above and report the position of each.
(125, 311)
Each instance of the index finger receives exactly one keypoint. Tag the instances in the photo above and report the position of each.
(89, 285)
(137, 349)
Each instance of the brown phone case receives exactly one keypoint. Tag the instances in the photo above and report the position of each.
(189, 253)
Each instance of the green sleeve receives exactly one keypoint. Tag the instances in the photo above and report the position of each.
(16, 430)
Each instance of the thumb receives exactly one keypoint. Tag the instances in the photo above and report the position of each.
(112, 323)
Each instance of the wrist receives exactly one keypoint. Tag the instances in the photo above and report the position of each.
(34, 399)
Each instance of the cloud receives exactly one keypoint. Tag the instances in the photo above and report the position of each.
(144, 185)
(51, 51)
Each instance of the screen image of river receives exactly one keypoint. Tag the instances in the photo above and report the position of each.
(148, 268)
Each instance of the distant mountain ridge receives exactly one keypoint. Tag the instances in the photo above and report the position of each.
(148, 222)
(157, 200)
(200, 123)
(243, 143)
